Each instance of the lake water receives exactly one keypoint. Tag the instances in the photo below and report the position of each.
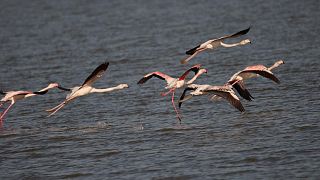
(99, 136)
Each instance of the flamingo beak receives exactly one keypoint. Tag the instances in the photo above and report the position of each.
(62, 88)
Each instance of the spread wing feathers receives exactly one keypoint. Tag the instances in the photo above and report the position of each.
(265, 73)
(229, 95)
(240, 33)
(96, 74)
(1, 92)
(193, 50)
(242, 90)
(156, 74)
(194, 68)
(183, 96)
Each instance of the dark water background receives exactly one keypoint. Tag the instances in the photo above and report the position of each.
(98, 136)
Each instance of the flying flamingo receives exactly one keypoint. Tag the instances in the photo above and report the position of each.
(175, 83)
(215, 43)
(86, 88)
(237, 80)
(14, 96)
(224, 92)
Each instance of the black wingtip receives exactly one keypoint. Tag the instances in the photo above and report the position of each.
(193, 50)
(142, 81)
(1, 92)
(245, 31)
(40, 92)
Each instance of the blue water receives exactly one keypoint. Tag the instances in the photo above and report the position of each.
(100, 137)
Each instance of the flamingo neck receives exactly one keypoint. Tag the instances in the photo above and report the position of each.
(184, 75)
(105, 90)
(230, 45)
(194, 78)
(44, 89)
(275, 65)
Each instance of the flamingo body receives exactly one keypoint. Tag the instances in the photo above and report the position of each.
(224, 92)
(14, 96)
(86, 88)
(175, 83)
(215, 43)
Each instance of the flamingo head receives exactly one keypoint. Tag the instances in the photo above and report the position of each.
(246, 41)
(122, 86)
(201, 71)
(279, 62)
(53, 85)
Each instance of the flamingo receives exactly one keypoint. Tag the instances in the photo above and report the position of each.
(224, 92)
(175, 83)
(86, 88)
(237, 80)
(215, 43)
(14, 96)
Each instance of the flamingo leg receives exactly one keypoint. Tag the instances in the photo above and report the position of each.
(164, 94)
(57, 109)
(175, 108)
(4, 113)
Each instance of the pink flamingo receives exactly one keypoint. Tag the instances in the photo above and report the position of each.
(86, 88)
(175, 83)
(237, 80)
(215, 43)
(14, 96)
(224, 92)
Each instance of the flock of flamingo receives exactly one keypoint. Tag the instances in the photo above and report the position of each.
(226, 91)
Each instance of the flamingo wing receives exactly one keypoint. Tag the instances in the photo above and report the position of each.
(227, 94)
(194, 68)
(96, 74)
(156, 74)
(40, 92)
(193, 50)
(262, 72)
(242, 90)
(184, 98)
(237, 34)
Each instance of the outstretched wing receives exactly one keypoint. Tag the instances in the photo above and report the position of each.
(242, 90)
(237, 34)
(227, 94)
(193, 50)
(262, 72)
(40, 92)
(156, 74)
(96, 74)
(194, 68)
(184, 98)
